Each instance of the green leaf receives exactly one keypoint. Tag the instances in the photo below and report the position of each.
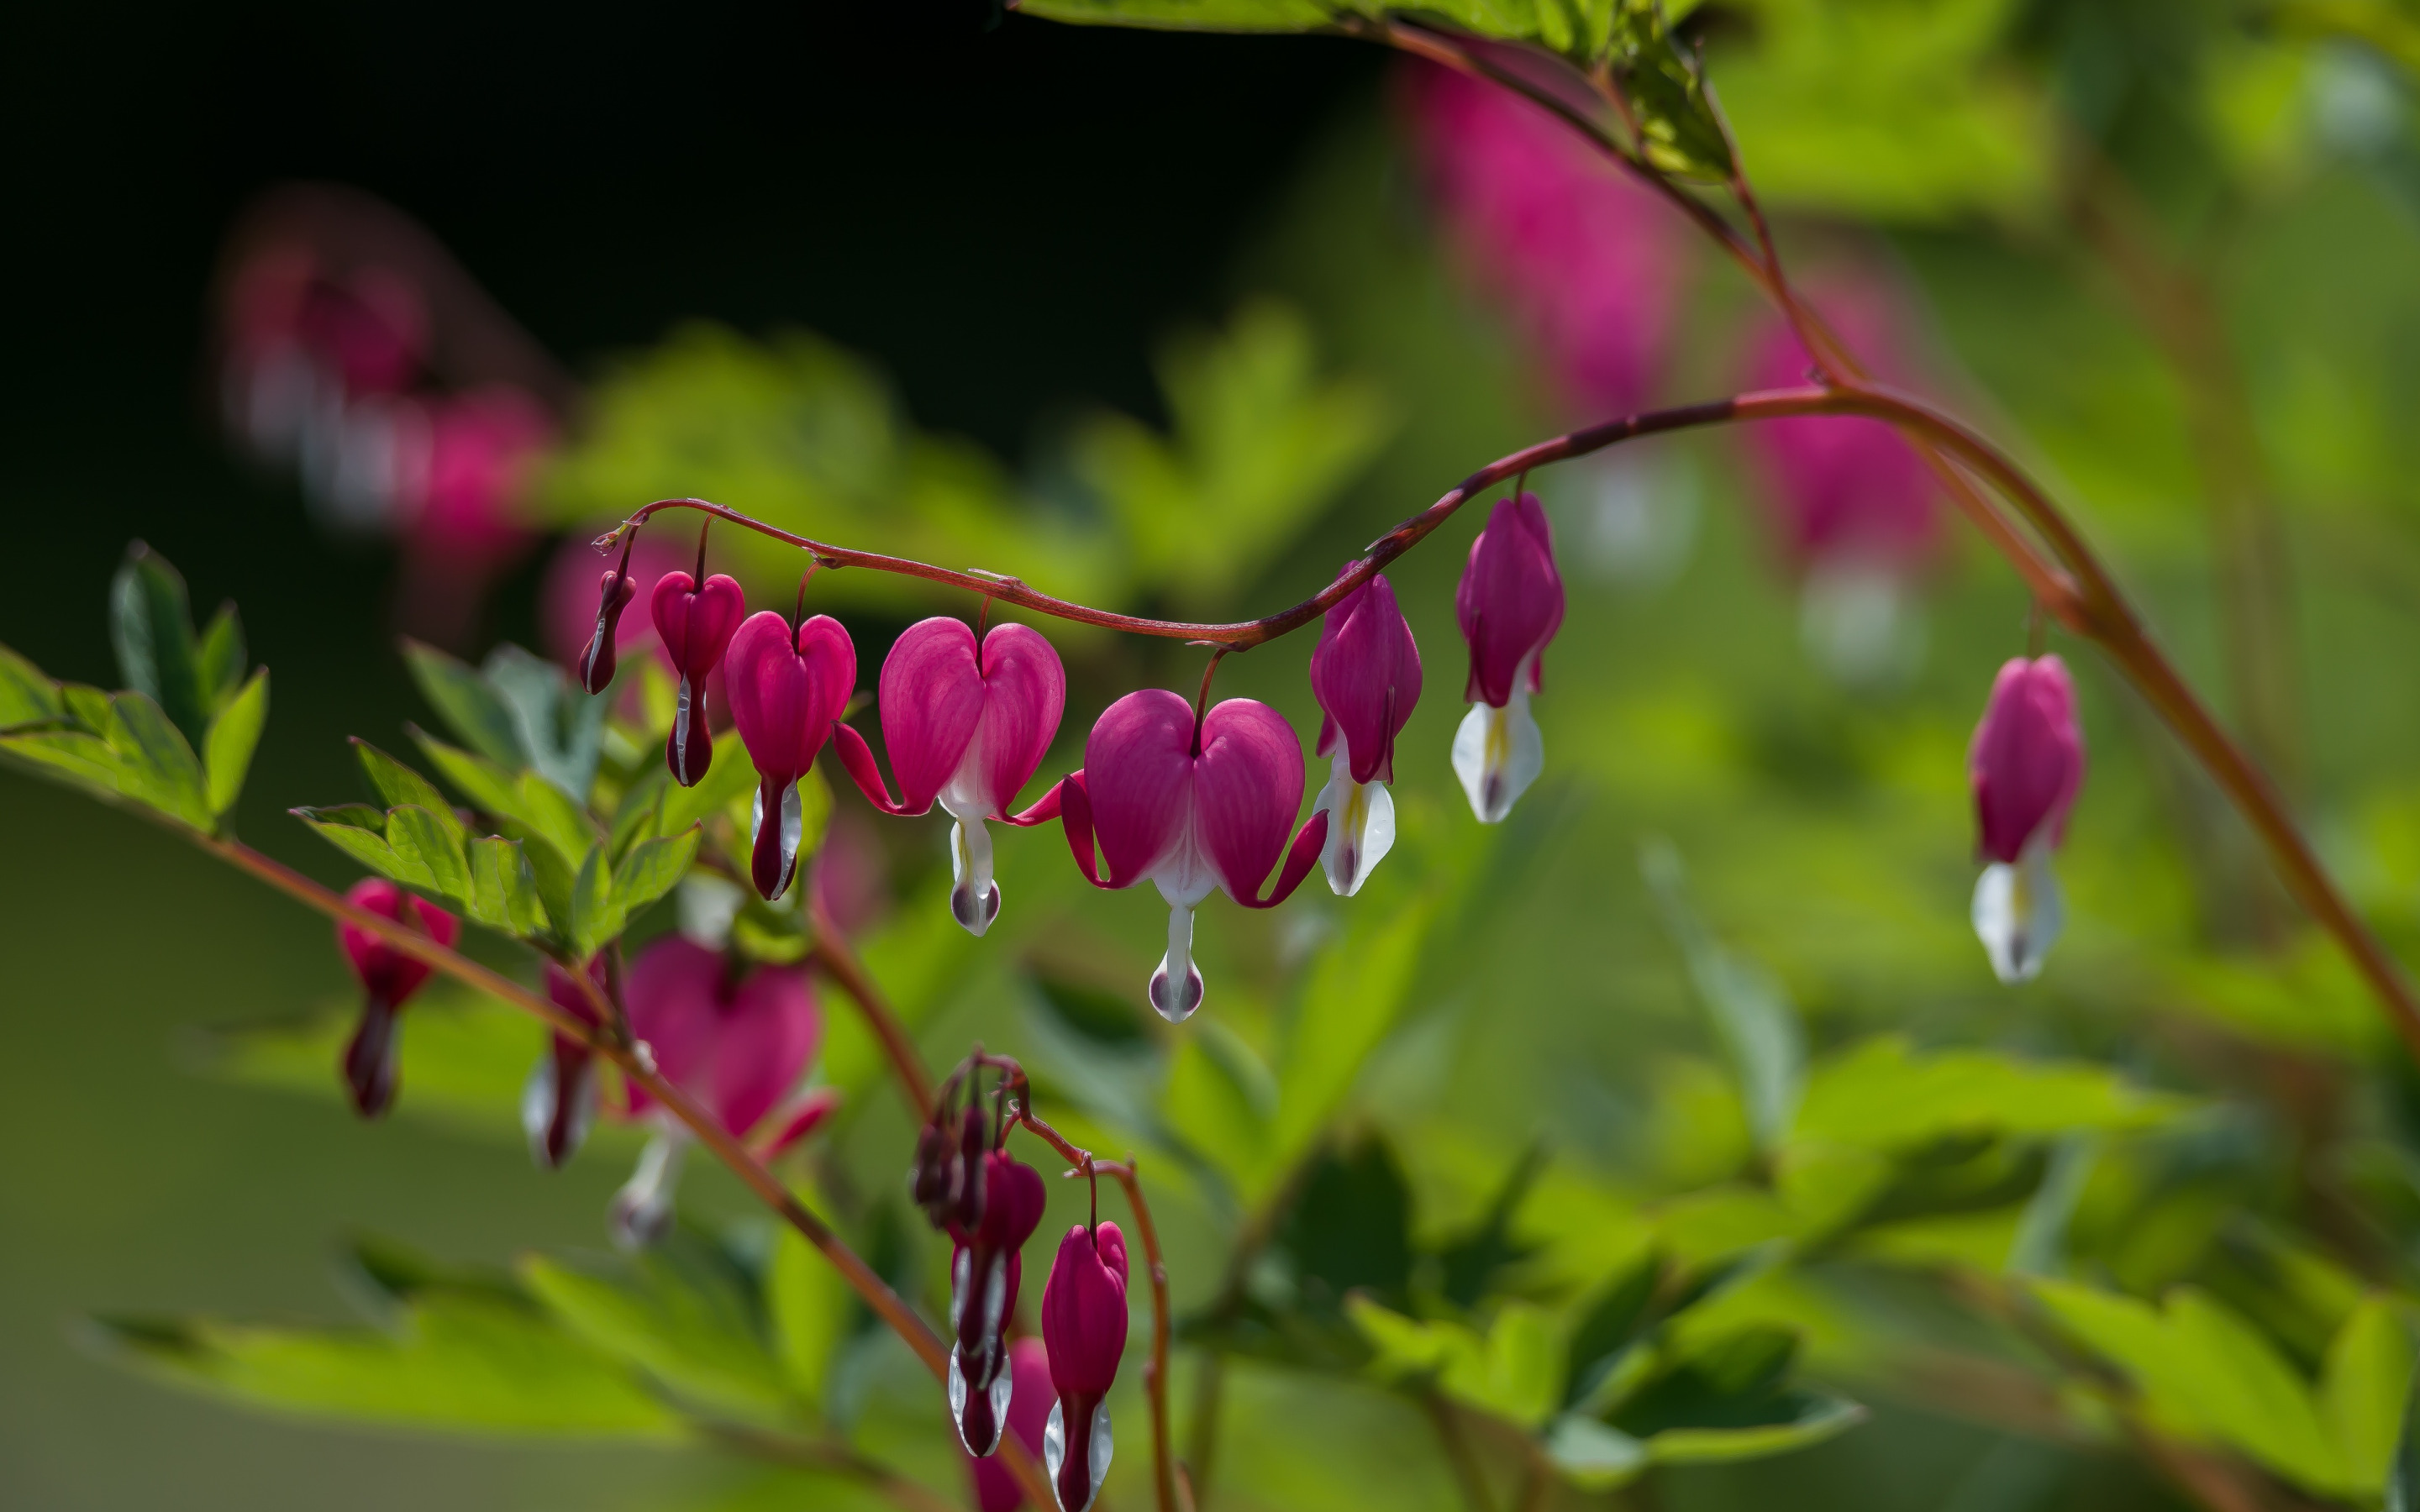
(504, 889)
(397, 784)
(523, 798)
(2403, 1478)
(1885, 1094)
(155, 766)
(1804, 1418)
(151, 626)
(431, 848)
(1512, 1370)
(235, 733)
(2205, 1374)
(652, 868)
(358, 830)
(67, 756)
(1751, 1013)
(553, 719)
(1591, 1456)
(2365, 1380)
(219, 660)
(682, 1315)
(472, 708)
(732, 778)
(459, 1361)
(27, 697)
(594, 920)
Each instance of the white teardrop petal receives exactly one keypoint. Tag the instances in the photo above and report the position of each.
(1497, 753)
(2018, 913)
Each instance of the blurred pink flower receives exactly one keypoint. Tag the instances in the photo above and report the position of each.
(1588, 263)
(1841, 487)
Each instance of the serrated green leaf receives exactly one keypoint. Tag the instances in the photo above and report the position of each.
(470, 707)
(397, 784)
(484, 786)
(151, 627)
(155, 765)
(460, 1360)
(534, 807)
(682, 1319)
(504, 890)
(219, 658)
(27, 697)
(235, 733)
(431, 847)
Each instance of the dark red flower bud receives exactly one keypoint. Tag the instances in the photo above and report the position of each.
(1084, 1324)
(559, 1100)
(696, 624)
(984, 1276)
(388, 977)
(614, 590)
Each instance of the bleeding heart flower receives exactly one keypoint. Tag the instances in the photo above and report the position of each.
(966, 724)
(984, 1275)
(559, 1100)
(614, 590)
(1193, 809)
(1510, 604)
(1028, 1417)
(739, 1045)
(1366, 675)
(388, 978)
(1084, 1326)
(2025, 764)
(695, 625)
(785, 693)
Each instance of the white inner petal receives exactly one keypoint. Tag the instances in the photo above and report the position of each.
(1498, 752)
(975, 895)
(1360, 826)
(1175, 989)
(2019, 912)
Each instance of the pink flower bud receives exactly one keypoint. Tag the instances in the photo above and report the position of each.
(785, 691)
(1084, 1325)
(1366, 675)
(559, 1100)
(1193, 811)
(2027, 758)
(388, 978)
(614, 590)
(695, 625)
(1029, 1414)
(1510, 604)
(967, 725)
(2025, 764)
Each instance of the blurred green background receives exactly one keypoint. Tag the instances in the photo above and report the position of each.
(1129, 272)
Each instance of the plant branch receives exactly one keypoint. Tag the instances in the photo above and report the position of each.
(1458, 1453)
(832, 956)
(638, 1064)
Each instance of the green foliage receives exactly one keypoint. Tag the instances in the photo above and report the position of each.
(1258, 442)
(179, 742)
(461, 1354)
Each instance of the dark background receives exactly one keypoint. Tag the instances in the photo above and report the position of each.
(1003, 217)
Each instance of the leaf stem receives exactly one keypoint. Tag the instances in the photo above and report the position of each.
(832, 956)
(1458, 1453)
